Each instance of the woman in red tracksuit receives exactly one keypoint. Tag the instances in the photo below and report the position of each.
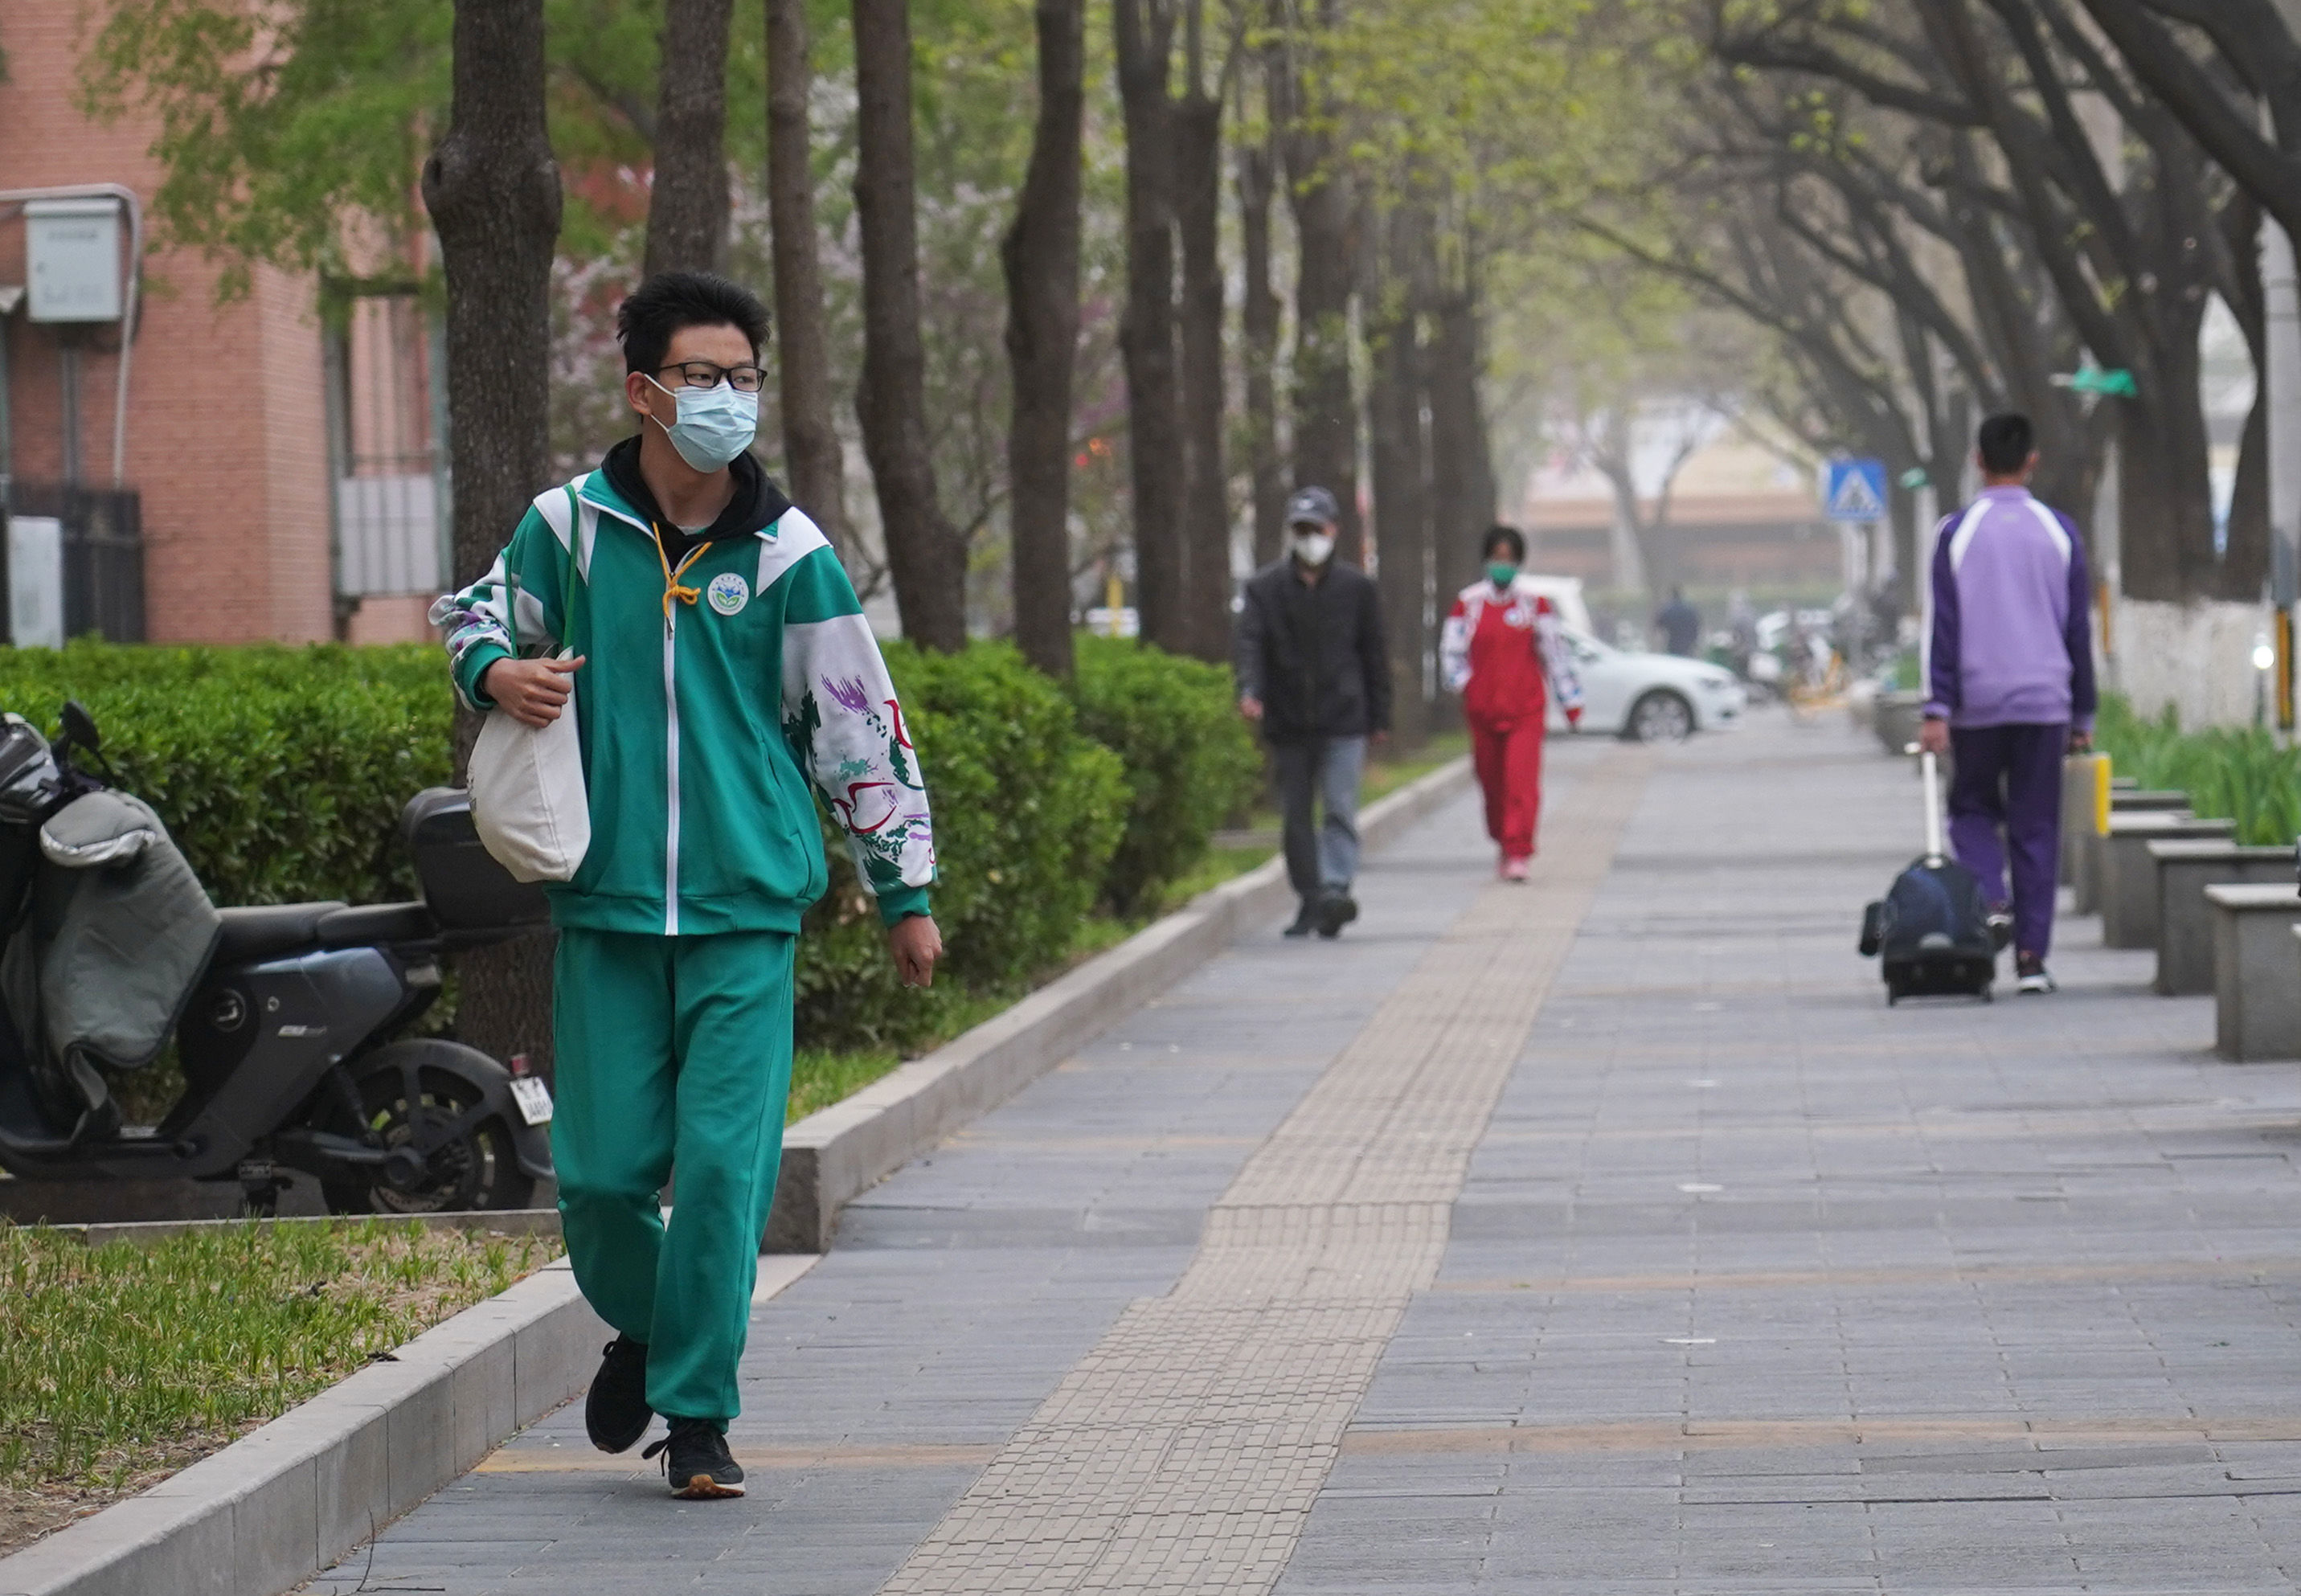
(1500, 641)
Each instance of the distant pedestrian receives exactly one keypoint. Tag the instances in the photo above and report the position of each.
(1679, 623)
(1313, 674)
(2012, 686)
(1502, 651)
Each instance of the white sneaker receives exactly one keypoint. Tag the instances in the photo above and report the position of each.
(2035, 981)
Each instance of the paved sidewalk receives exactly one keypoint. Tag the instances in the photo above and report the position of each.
(1728, 1280)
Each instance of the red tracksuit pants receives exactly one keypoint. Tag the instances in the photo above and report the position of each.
(1508, 754)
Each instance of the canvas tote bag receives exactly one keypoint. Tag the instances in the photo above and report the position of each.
(529, 803)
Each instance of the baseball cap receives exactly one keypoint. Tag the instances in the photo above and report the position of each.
(1311, 506)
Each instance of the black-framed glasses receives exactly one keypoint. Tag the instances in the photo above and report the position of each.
(702, 373)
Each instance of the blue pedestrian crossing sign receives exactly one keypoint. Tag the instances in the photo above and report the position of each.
(1856, 490)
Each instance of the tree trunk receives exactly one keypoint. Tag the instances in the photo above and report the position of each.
(925, 554)
(1326, 414)
(1145, 36)
(1040, 255)
(687, 212)
(493, 191)
(1461, 475)
(1259, 313)
(1400, 457)
(1206, 520)
(812, 452)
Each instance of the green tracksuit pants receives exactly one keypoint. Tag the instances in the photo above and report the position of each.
(673, 1052)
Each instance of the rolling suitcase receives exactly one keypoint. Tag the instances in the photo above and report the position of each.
(1930, 931)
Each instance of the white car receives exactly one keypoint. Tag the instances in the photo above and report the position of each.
(1650, 698)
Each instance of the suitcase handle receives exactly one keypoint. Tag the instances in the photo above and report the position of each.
(1930, 772)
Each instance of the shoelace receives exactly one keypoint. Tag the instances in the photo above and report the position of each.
(664, 1446)
(671, 588)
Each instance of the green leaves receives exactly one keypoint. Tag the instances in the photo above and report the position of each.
(273, 138)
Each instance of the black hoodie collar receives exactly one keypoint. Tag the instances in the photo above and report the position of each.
(757, 505)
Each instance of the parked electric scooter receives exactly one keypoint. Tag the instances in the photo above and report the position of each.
(293, 1040)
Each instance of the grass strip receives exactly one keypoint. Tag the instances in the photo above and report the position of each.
(121, 1364)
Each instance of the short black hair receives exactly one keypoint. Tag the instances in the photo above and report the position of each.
(1504, 535)
(670, 302)
(2007, 441)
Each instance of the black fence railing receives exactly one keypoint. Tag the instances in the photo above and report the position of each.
(103, 557)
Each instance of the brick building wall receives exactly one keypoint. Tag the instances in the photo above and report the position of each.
(227, 426)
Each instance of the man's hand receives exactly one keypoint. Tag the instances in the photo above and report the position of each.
(1249, 707)
(532, 691)
(2081, 742)
(915, 945)
(1933, 736)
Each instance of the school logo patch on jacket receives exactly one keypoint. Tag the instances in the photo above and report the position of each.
(728, 593)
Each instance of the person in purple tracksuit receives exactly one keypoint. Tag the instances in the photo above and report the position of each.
(2013, 688)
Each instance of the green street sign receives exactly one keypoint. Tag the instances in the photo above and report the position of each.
(2114, 381)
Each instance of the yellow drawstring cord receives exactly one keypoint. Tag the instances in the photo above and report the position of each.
(671, 586)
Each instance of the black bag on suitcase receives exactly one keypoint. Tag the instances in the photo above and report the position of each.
(1931, 930)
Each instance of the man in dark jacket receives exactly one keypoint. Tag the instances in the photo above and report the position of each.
(1312, 672)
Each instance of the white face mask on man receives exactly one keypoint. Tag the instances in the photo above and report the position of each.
(1313, 546)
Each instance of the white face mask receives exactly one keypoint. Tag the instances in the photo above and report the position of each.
(715, 424)
(1314, 548)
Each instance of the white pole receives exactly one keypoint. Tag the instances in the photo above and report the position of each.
(2281, 382)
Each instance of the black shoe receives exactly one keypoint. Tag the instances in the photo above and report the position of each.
(1338, 910)
(1307, 921)
(697, 1461)
(617, 1414)
(2001, 928)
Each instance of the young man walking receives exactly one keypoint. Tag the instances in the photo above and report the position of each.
(2012, 686)
(718, 660)
(1313, 675)
(1502, 649)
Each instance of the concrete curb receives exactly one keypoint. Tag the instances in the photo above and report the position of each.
(278, 1505)
(837, 1153)
(293, 1497)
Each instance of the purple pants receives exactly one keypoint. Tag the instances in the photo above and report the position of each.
(2011, 777)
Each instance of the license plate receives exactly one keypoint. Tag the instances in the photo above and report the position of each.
(533, 1098)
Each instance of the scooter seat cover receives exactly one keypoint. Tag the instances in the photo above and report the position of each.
(99, 830)
(118, 947)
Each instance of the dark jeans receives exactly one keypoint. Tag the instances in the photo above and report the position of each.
(1321, 857)
(2009, 778)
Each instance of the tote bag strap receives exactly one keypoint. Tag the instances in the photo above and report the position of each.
(576, 601)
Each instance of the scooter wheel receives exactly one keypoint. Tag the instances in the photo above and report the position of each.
(404, 1094)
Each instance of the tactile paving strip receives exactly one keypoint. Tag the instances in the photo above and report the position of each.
(1184, 1452)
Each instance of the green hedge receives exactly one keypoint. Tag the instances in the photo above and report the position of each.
(1190, 759)
(282, 772)
(2240, 774)
(1027, 812)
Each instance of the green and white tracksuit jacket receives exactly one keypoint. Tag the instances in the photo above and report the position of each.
(711, 694)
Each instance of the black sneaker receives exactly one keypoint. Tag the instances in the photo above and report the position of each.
(617, 1414)
(2001, 927)
(2031, 978)
(1338, 910)
(1307, 921)
(697, 1461)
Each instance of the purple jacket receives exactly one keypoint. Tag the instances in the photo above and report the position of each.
(2013, 643)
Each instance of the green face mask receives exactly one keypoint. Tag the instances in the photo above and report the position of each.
(1502, 573)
